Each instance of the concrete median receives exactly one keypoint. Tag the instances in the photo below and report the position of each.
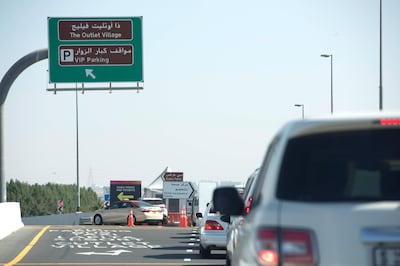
(10, 221)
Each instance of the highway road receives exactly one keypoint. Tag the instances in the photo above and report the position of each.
(104, 245)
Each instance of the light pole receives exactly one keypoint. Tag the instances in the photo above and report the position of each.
(331, 56)
(302, 109)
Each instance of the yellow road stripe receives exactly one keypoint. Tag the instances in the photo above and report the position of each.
(25, 251)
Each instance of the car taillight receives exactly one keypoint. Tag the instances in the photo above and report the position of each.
(145, 210)
(248, 205)
(213, 225)
(267, 247)
(390, 121)
(294, 247)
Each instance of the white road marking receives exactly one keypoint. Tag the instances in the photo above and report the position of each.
(108, 253)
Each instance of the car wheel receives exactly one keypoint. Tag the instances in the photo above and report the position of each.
(228, 260)
(204, 252)
(98, 220)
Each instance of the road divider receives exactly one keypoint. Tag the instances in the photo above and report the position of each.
(10, 221)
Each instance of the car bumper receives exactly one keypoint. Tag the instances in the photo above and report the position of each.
(154, 216)
(214, 240)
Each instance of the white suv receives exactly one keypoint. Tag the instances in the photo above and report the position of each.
(328, 193)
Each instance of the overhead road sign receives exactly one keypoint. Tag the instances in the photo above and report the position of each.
(177, 190)
(173, 176)
(95, 50)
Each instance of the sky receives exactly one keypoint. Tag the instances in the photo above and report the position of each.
(220, 79)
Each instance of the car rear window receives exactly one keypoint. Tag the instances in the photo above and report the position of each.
(143, 204)
(155, 201)
(347, 166)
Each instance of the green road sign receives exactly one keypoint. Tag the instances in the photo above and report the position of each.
(95, 50)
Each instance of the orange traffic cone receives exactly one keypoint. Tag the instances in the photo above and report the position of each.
(182, 218)
(130, 219)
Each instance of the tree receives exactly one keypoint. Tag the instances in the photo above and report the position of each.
(36, 200)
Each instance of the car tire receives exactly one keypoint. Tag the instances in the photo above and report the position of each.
(98, 220)
(204, 252)
(228, 260)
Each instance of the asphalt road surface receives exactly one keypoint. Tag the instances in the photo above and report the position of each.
(105, 245)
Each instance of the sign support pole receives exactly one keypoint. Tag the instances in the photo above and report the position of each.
(78, 195)
(5, 85)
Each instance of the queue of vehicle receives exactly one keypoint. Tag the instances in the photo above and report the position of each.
(327, 193)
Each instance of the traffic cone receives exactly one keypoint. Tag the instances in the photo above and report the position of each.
(130, 219)
(182, 218)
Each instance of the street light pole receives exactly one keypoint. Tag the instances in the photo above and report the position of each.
(331, 56)
(302, 109)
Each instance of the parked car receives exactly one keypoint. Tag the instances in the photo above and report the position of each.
(118, 213)
(328, 193)
(236, 222)
(213, 231)
(160, 203)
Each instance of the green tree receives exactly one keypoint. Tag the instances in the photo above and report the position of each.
(36, 200)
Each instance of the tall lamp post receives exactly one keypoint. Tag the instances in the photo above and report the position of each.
(331, 56)
(302, 109)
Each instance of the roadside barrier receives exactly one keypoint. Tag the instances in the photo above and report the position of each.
(10, 218)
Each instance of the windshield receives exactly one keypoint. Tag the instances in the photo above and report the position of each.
(351, 166)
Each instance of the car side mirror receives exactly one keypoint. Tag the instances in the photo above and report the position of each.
(199, 215)
(228, 201)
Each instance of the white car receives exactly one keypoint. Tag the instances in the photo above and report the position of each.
(160, 203)
(237, 221)
(213, 232)
(328, 193)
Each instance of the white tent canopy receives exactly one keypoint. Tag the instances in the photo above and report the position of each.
(157, 185)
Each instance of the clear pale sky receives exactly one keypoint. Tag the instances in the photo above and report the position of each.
(220, 78)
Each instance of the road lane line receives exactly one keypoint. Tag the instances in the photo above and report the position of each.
(25, 251)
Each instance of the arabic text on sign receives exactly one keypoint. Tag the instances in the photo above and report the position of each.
(96, 55)
(95, 30)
